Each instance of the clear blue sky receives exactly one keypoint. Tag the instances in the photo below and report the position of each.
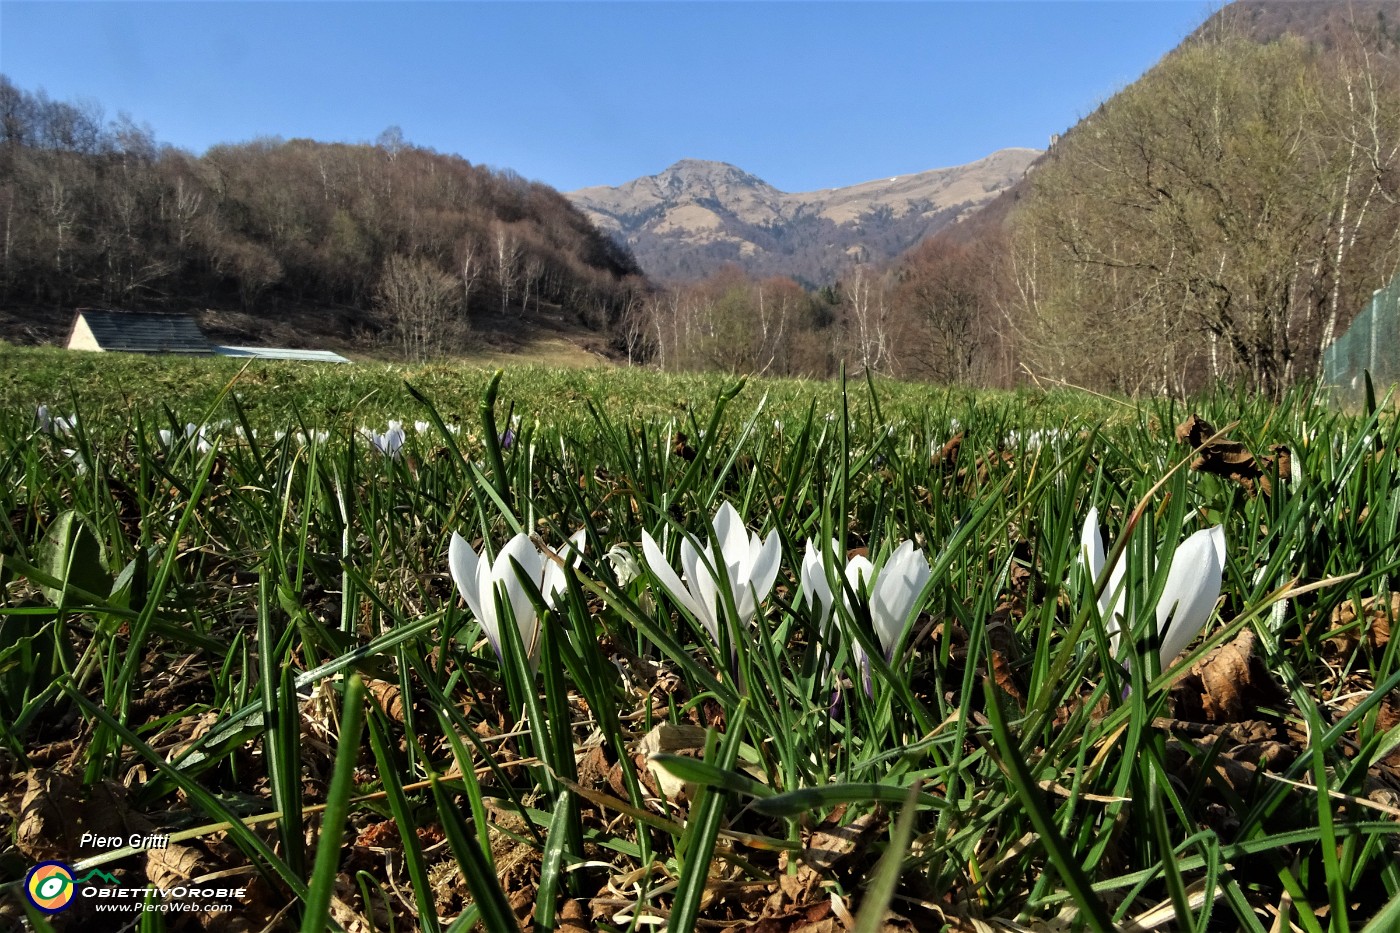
(805, 95)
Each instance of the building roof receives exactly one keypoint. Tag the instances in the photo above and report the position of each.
(138, 332)
(282, 353)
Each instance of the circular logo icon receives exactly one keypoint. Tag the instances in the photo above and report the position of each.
(49, 886)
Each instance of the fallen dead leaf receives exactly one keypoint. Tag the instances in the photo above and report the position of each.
(389, 696)
(1375, 615)
(946, 458)
(672, 739)
(1231, 459)
(173, 865)
(1227, 685)
(56, 810)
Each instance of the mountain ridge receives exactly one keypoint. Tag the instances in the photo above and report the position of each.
(697, 215)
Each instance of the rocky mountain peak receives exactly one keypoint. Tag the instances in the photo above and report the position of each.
(697, 215)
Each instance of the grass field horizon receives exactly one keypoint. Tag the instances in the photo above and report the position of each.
(821, 655)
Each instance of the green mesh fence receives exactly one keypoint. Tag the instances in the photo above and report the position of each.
(1371, 343)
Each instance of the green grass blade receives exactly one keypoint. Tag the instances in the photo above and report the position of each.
(880, 892)
(702, 829)
(1033, 799)
(334, 818)
(480, 877)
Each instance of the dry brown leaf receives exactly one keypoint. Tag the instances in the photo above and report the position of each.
(381, 835)
(1005, 679)
(185, 732)
(1376, 614)
(593, 767)
(56, 810)
(946, 459)
(1227, 685)
(574, 918)
(672, 739)
(818, 918)
(389, 696)
(176, 864)
(833, 846)
(1231, 459)
(47, 824)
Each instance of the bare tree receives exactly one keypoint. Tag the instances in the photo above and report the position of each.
(420, 302)
(1226, 205)
(469, 262)
(867, 320)
(507, 256)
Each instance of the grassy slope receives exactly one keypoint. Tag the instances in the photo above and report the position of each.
(107, 385)
(268, 571)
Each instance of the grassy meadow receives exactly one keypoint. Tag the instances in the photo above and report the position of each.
(893, 693)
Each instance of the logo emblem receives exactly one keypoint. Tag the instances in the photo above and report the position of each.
(49, 886)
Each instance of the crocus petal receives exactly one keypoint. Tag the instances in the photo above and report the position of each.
(860, 577)
(1193, 586)
(462, 563)
(763, 572)
(1217, 538)
(700, 572)
(816, 591)
(1111, 603)
(1091, 545)
(896, 591)
(671, 583)
(476, 581)
(624, 564)
(741, 589)
(860, 574)
(517, 562)
(730, 534)
(1091, 552)
(554, 573)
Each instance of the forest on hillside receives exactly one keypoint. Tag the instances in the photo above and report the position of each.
(416, 244)
(1222, 218)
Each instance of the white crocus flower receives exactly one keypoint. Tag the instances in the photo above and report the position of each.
(421, 427)
(816, 593)
(390, 442)
(892, 592)
(55, 425)
(749, 563)
(478, 580)
(1188, 598)
(80, 466)
(1193, 586)
(624, 564)
(314, 436)
(168, 438)
(1091, 554)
